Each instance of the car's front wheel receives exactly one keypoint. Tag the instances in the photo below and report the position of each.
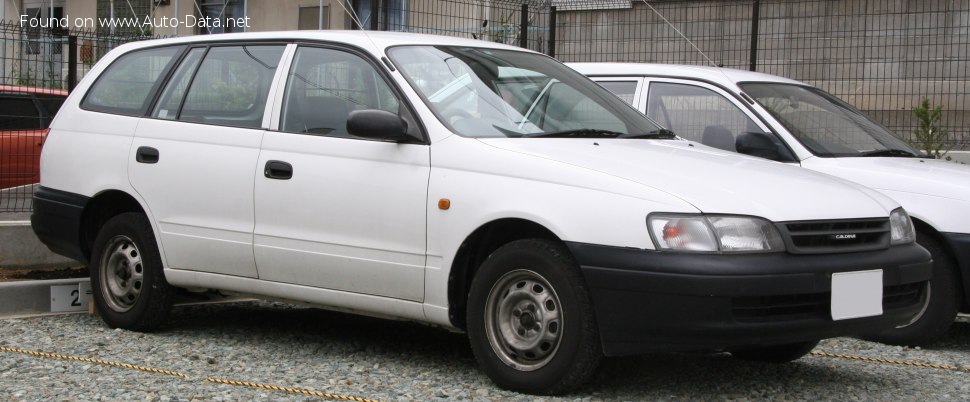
(944, 293)
(530, 320)
(130, 290)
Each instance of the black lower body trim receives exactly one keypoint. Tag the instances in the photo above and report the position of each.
(56, 221)
(648, 301)
(960, 245)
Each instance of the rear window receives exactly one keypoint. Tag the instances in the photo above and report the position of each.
(18, 112)
(125, 87)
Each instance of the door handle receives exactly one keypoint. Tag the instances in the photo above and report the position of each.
(146, 155)
(278, 170)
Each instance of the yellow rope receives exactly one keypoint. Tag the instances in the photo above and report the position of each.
(180, 375)
(289, 390)
(896, 362)
(95, 361)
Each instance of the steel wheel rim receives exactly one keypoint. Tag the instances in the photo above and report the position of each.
(122, 274)
(523, 320)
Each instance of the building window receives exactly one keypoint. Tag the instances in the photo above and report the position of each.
(310, 18)
(391, 15)
(33, 33)
(222, 16)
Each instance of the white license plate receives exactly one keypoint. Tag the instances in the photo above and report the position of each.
(856, 294)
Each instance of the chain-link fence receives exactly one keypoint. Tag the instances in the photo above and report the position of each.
(38, 66)
(883, 57)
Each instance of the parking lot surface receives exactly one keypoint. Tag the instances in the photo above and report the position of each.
(271, 351)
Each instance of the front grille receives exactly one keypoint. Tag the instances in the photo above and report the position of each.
(837, 236)
(815, 305)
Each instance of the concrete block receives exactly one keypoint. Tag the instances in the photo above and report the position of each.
(20, 248)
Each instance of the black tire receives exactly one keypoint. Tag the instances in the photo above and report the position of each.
(129, 286)
(945, 297)
(529, 276)
(775, 353)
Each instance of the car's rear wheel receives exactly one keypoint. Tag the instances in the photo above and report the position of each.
(936, 318)
(130, 290)
(775, 353)
(530, 320)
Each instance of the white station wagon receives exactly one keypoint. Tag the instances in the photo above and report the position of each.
(459, 183)
(789, 121)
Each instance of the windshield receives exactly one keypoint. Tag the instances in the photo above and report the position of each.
(481, 92)
(824, 124)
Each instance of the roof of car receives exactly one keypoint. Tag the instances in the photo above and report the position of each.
(715, 74)
(365, 39)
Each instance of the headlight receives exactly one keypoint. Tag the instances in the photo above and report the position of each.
(715, 233)
(901, 227)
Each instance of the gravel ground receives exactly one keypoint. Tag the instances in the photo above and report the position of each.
(328, 352)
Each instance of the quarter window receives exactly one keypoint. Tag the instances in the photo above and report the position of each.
(325, 85)
(126, 85)
(231, 86)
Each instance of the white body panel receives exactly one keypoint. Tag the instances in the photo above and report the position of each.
(201, 193)
(351, 218)
(358, 225)
(932, 191)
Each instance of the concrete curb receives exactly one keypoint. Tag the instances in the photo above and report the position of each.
(57, 296)
(20, 248)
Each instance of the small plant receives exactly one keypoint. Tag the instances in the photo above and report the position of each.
(930, 137)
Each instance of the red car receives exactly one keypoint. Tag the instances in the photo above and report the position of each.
(25, 114)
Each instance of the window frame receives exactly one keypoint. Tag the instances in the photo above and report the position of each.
(42, 119)
(208, 48)
(732, 96)
(277, 116)
(150, 99)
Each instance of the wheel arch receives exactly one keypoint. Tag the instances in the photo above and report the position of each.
(476, 247)
(929, 230)
(102, 207)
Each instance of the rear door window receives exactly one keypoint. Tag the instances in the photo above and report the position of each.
(231, 86)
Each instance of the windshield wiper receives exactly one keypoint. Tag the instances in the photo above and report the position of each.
(579, 133)
(888, 152)
(661, 134)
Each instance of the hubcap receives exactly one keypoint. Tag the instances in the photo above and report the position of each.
(122, 274)
(523, 320)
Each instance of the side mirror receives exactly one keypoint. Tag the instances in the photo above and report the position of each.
(758, 144)
(378, 125)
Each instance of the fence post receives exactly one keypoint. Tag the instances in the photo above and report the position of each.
(374, 23)
(552, 31)
(71, 62)
(524, 27)
(755, 17)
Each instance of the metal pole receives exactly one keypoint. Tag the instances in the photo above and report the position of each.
(552, 31)
(71, 62)
(320, 17)
(176, 29)
(755, 16)
(524, 27)
(374, 24)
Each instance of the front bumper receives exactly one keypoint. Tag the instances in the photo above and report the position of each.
(648, 301)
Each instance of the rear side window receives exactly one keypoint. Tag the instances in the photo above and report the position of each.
(18, 112)
(231, 86)
(125, 86)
